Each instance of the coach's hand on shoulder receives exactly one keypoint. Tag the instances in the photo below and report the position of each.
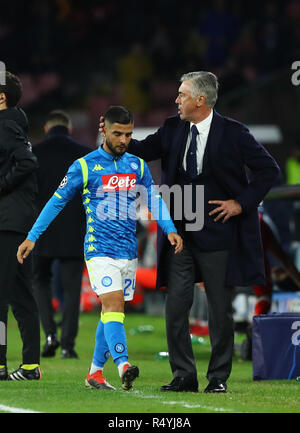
(24, 250)
(101, 124)
(176, 240)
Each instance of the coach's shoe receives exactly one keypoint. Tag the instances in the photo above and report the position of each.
(98, 381)
(217, 386)
(3, 372)
(25, 374)
(128, 376)
(181, 384)
(68, 353)
(50, 346)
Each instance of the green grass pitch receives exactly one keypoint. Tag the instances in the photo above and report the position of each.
(62, 388)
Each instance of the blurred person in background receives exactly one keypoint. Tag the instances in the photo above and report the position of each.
(135, 72)
(62, 244)
(292, 171)
(18, 192)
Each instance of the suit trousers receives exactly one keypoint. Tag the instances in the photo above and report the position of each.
(71, 278)
(179, 299)
(16, 291)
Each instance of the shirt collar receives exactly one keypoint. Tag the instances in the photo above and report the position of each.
(204, 125)
(105, 154)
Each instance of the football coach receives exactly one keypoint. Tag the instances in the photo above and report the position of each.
(201, 147)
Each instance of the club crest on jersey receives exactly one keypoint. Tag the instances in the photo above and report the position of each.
(64, 182)
(118, 182)
(134, 166)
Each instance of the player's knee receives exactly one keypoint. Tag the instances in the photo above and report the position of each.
(112, 302)
(117, 307)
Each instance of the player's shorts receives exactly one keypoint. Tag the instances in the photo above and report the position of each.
(109, 275)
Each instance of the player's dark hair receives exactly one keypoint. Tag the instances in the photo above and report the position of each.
(118, 114)
(12, 88)
(58, 117)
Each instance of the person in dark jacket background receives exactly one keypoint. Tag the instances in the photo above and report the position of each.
(62, 244)
(18, 192)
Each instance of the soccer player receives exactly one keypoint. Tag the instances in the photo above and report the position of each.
(109, 180)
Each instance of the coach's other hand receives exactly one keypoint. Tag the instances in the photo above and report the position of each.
(226, 209)
(176, 240)
(24, 250)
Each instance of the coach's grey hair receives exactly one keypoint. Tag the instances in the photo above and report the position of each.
(205, 83)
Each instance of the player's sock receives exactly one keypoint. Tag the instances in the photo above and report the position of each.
(115, 336)
(94, 368)
(101, 350)
(121, 367)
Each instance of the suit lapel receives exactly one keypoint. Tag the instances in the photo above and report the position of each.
(178, 148)
(214, 137)
(214, 142)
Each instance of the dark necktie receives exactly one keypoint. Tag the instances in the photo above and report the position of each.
(191, 157)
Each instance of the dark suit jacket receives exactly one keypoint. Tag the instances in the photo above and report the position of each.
(231, 148)
(65, 235)
(18, 166)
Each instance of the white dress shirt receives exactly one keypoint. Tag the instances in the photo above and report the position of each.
(203, 129)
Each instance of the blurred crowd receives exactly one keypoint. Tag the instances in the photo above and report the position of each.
(85, 56)
(74, 53)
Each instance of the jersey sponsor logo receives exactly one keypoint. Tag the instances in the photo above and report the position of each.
(64, 182)
(118, 182)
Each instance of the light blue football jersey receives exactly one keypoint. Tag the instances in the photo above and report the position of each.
(110, 189)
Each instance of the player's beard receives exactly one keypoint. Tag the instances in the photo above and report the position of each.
(120, 152)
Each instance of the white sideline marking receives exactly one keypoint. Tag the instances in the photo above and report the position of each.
(185, 404)
(16, 409)
(199, 406)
